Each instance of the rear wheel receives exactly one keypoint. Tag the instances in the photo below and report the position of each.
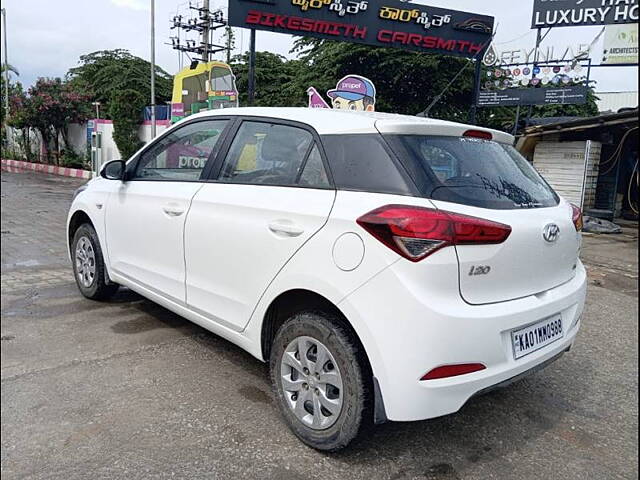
(88, 265)
(318, 377)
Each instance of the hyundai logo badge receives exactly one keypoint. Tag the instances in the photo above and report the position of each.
(551, 232)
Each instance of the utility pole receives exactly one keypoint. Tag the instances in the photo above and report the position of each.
(477, 80)
(251, 94)
(97, 105)
(539, 39)
(205, 31)
(6, 62)
(229, 42)
(205, 24)
(153, 69)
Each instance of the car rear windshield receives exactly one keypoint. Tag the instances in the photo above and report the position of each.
(470, 171)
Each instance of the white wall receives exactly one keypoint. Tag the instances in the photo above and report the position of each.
(571, 168)
(78, 139)
(145, 132)
(110, 149)
(14, 137)
(614, 101)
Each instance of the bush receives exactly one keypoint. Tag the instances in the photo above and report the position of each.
(125, 111)
(71, 159)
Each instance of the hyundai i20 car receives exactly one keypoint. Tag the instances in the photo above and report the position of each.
(388, 268)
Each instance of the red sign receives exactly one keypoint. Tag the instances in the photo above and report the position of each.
(390, 23)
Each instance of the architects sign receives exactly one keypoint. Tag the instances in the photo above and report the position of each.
(620, 45)
(387, 23)
(573, 13)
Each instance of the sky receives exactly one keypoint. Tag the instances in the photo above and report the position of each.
(46, 38)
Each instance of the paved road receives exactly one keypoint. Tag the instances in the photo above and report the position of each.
(128, 390)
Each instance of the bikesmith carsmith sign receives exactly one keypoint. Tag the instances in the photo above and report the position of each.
(388, 23)
(573, 13)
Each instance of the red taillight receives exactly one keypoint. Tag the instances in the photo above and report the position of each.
(577, 217)
(417, 232)
(453, 371)
(478, 134)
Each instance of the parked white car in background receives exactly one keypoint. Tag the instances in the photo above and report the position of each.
(387, 267)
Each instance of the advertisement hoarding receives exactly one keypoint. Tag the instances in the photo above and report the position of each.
(573, 13)
(390, 23)
(576, 95)
(620, 44)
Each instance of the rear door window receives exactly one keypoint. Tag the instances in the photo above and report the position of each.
(265, 153)
(314, 174)
(472, 172)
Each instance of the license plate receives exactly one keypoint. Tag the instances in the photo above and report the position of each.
(534, 337)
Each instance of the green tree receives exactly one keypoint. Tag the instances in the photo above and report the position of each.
(126, 111)
(274, 77)
(12, 92)
(105, 73)
(407, 82)
(54, 105)
(22, 118)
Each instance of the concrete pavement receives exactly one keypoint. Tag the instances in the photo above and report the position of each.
(126, 389)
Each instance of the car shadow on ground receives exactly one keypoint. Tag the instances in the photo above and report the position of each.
(525, 410)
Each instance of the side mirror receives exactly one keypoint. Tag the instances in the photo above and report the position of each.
(114, 170)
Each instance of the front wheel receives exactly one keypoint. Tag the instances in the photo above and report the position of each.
(88, 265)
(318, 376)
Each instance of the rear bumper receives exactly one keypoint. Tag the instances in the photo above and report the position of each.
(410, 324)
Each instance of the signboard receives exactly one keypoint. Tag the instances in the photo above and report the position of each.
(177, 110)
(533, 96)
(573, 13)
(387, 23)
(620, 44)
(353, 92)
(315, 99)
(527, 56)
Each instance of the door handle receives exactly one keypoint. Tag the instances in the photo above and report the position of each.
(286, 229)
(172, 211)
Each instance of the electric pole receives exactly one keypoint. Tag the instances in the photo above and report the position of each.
(153, 69)
(229, 42)
(205, 24)
(6, 63)
(206, 14)
(251, 93)
(477, 80)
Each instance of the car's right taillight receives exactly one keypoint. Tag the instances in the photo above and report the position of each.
(417, 232)
(577, 217)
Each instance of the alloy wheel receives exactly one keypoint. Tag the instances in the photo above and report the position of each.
(85, 262)
(311, 383)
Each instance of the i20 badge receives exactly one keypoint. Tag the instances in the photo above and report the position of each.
(551, 232)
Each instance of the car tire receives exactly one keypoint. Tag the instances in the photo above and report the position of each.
(88, 265)
(345, 383)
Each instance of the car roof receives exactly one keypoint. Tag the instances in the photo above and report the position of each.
(335, 122)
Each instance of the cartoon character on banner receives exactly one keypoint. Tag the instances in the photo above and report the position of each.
(353, 92)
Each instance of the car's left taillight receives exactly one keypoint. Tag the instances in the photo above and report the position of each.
(577, 217)
(417, 232)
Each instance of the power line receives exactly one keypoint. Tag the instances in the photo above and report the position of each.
(205, 22)
(477, 58)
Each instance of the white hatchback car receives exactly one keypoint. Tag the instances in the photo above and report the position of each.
(387, 267)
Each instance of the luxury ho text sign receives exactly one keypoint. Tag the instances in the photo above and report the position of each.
(573, 13)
